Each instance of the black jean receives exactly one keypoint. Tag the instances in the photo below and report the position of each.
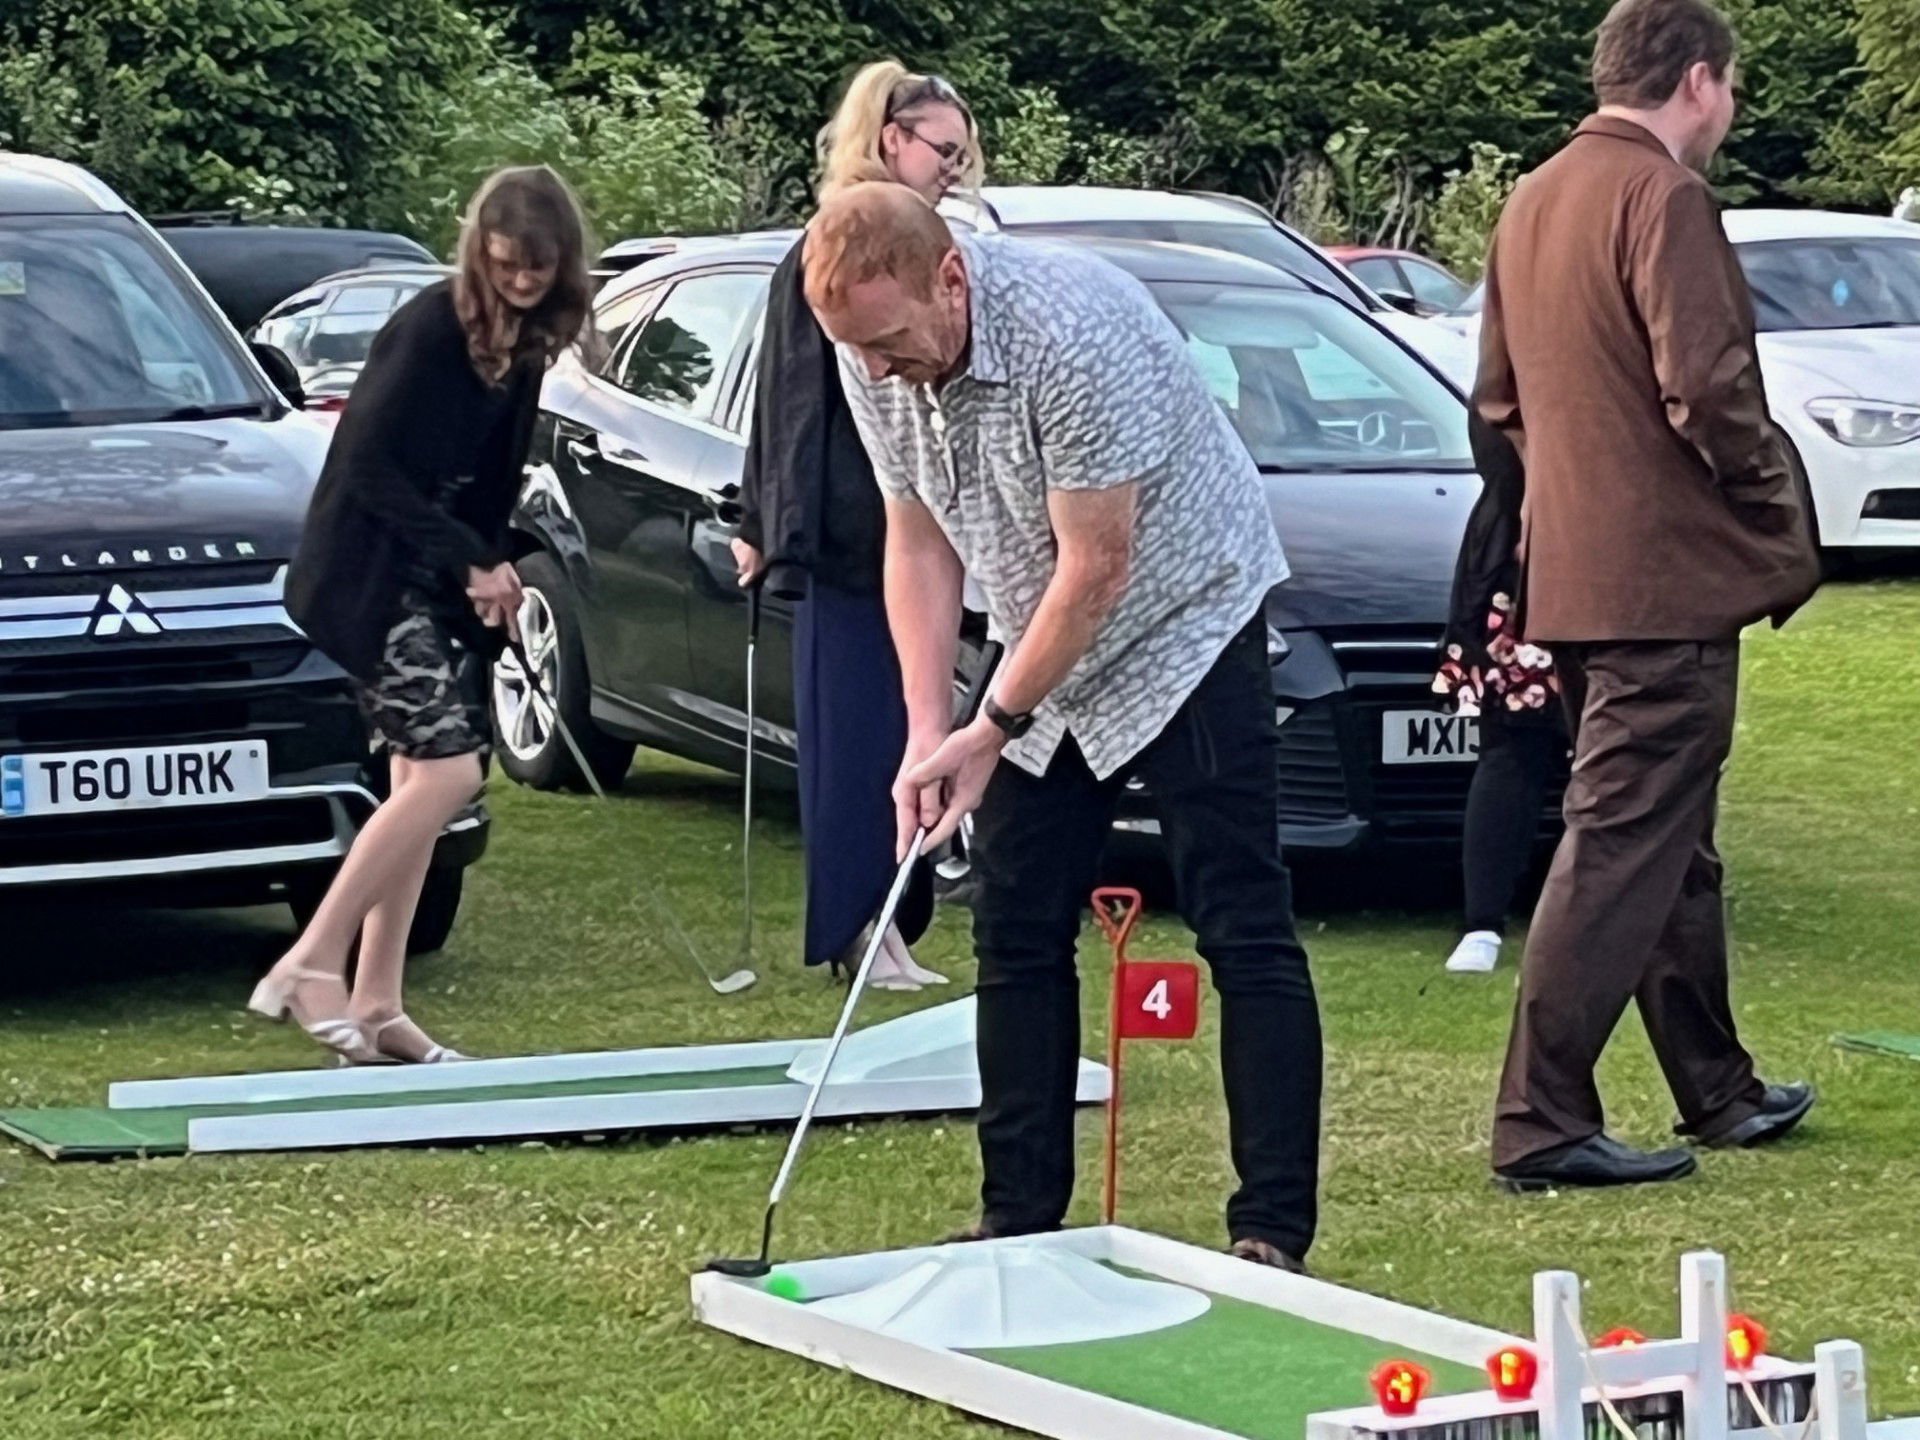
(1517, 762)
(1214, 780)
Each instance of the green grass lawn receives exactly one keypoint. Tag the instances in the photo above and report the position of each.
(540, 1290)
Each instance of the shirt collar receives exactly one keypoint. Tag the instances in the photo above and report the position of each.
(1613, 127)
(984, 360)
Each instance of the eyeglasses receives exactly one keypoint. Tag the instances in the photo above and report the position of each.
(953, 157)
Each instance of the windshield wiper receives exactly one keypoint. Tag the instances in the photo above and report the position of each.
(229, 411)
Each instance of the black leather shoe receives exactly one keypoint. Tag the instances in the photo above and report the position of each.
(1599, 1160)
(1260, 1252)
(1782, 1108)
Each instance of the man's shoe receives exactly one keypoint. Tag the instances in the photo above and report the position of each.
(1259, 1252)
(1781, 1108)
(1598, 1160)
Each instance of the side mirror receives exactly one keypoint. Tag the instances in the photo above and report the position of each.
(281, 370)
(1401, 301)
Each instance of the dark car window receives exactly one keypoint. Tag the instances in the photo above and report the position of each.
(679, 359)
(1833, 284)
(95, 328)
(340, 331)
(1378, 272)
(1266, 243)
(616, 317)
(1310, 385)
(1433, 286)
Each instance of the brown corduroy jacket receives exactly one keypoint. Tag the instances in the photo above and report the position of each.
(1617, 353)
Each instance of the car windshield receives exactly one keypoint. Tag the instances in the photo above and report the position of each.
(1475, 301)
(96, 328)
(1268, 244)
(337, 326)
(1833, 283)
(1310, 385)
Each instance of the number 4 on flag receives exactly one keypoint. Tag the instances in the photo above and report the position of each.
(1159, 1000)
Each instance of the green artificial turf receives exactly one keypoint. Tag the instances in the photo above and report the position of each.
(1240, 1368)
(526, 1291)
(96, 1132)
(1882, 1042)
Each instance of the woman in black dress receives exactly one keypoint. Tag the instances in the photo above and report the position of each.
(1490, 671)
(814, 532)
(402, 577)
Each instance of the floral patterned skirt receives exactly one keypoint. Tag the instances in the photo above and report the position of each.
(1507, 672)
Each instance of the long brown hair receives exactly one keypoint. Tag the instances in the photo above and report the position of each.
(534, 208)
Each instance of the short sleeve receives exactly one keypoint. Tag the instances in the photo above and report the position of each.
(875, 430)
(1105, 370)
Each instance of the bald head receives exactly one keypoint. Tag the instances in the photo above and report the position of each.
(884, 278)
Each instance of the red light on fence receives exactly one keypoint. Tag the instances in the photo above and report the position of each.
(1746, 1341)
(1620, 1338)
(1398, 1385)
(1513, 1372)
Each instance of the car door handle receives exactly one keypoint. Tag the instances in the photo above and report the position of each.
(621, 454)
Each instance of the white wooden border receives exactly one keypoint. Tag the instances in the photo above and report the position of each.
(1047, 1407)
(495, 1119)
(976, 1384)
(277, 1085)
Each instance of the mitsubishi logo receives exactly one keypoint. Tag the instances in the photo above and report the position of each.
(119, 611)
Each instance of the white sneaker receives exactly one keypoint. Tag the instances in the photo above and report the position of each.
(1476, 954)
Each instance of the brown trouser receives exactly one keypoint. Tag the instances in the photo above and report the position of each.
(1632, 907)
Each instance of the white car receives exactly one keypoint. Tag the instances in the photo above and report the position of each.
(1837, 303)
(1215, 222)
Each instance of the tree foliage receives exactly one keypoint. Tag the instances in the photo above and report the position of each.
(312, 106)
(1369, 120)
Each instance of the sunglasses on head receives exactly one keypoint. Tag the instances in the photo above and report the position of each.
(921, 90)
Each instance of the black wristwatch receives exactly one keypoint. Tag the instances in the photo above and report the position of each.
(1013, 726)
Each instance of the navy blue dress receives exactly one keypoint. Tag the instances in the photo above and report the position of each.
(813, 509)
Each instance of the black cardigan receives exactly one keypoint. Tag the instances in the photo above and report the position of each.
(809, 500)
(419, 416)
(1488, 564)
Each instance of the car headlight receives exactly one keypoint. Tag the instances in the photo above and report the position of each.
(1867, 422)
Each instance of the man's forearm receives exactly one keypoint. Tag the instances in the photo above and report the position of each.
(923, 583)
(1076, 604)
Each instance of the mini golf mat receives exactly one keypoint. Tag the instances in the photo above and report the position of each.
(1242, 1368)
(1882, 1042)
(98, 1133)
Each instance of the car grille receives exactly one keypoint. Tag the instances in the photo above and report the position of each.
(135, 665)
(160, 834)
(1892, 505)
(1313, 781)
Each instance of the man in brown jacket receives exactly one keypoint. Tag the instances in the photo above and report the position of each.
(1663, 514)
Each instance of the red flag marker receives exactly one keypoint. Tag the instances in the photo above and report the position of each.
(1150, 1000)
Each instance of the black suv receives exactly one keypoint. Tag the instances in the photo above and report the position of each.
(164, 728)
(634, 616)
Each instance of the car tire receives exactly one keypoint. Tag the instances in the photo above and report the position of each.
(530, 749)
(433, 917)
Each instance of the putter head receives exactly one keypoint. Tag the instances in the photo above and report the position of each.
(741, 1269)
(733, 984)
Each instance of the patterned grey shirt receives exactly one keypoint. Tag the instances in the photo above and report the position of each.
(1076, 380)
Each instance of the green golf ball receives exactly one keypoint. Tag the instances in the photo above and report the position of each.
(783, 1285)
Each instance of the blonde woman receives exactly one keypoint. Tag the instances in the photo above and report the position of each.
(814, 530)
(402, 572)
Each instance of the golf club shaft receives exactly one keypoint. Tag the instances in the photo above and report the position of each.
(880, 928)
(746, 797)
(537, 688)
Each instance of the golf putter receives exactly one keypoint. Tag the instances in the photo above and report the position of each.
(746, 793)
(726, 984)
(763, 1265)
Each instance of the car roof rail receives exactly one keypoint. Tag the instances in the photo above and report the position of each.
(182, 218)
(1239, 201)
